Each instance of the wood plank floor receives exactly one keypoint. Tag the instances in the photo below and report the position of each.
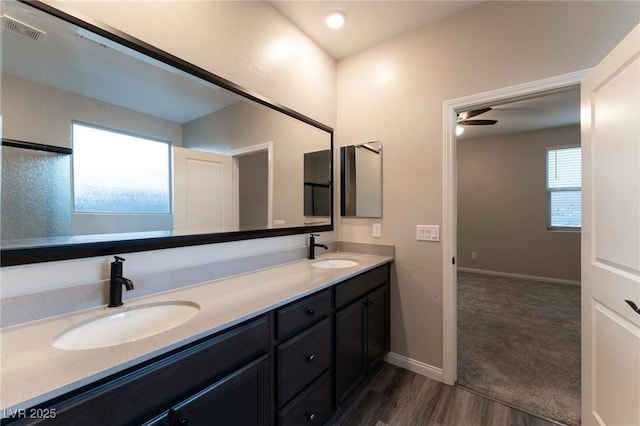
(398, 397)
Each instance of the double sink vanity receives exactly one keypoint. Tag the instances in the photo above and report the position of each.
(284, 345)
(284, 342)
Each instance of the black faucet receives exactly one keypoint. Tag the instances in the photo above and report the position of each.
(313, 245)
(116, 283)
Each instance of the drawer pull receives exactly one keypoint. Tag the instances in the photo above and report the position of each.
(310, 358)
(310, 312)
(310, 417)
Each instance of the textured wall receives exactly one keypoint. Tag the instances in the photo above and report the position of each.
(502, 206)
(394, 93)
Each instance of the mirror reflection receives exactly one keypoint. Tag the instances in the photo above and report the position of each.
(361, 183)
(102, 143)
(317, 185)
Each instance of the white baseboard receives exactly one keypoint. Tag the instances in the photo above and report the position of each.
(526, 277)
(417, 367)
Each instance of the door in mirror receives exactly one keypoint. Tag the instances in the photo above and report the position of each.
(361, 180)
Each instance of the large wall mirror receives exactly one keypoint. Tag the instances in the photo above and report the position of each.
(111, 145)
(361, 180)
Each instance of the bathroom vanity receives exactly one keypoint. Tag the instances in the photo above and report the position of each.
(286, 345)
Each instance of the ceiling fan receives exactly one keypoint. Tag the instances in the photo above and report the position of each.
(464, 119)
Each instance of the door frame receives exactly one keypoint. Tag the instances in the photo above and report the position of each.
(449, 195)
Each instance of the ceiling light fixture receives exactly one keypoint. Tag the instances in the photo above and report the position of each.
(335, 19)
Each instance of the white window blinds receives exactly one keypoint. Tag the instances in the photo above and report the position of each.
(564, 181)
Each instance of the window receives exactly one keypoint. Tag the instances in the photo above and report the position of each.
(115, 172)
(564, 180)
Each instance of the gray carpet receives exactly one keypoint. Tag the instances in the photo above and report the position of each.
(519, 343)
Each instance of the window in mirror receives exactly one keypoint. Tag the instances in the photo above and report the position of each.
(115, 172)
(361, 180)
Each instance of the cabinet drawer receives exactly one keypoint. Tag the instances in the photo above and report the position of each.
(302, 359)
(313, 406)
(357, 287)
(300, 315)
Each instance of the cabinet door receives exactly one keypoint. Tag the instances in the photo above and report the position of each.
(242, 398)
(350, 348)
(377, 325)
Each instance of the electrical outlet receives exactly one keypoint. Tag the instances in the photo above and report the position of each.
(376, 230)
(428, 232)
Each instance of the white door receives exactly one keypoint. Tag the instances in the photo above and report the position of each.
(202, 191)
(611, 238)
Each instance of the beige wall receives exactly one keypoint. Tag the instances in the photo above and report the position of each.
(502, 206)
(394, 93)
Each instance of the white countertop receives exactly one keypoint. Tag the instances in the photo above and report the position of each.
(33, 371)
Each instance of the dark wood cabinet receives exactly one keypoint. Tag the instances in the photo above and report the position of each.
(313, 406)
(377, 303)
(240, 399)
(350, 349)
(135, 396)
(362, 328)
(304, 361)
(295, 365)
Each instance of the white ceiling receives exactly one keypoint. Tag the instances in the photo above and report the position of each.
(368, 22)
(545, 111)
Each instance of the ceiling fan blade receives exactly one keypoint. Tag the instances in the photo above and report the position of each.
(477, 122)
(475, 112)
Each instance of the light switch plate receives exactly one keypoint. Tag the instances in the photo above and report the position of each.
(428, 232)
(376, 230)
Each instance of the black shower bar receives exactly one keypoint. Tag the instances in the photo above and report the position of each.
(36, 146)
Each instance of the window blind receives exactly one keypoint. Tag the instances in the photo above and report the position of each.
(564, 181)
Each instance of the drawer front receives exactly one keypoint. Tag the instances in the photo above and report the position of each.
(302, 359)
(313, 406)
(302, 314)
(357, 287)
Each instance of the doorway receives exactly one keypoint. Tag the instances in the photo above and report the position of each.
(253, 186)
(451, 246)
(449, 229)
(518, 290)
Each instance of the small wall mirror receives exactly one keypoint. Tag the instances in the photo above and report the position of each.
(361, 180)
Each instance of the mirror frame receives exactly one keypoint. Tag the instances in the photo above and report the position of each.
(54, 252)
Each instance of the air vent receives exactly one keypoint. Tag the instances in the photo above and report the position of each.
(16, 26)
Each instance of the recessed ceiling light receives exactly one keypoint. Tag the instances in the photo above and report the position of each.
(335, 19)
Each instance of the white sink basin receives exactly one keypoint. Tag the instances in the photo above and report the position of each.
(128, 325)
(334, 263)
